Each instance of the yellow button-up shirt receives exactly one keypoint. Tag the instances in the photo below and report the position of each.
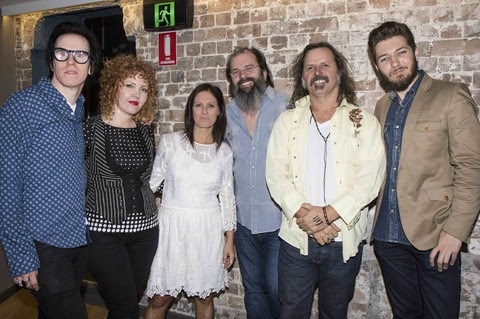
(359, 165)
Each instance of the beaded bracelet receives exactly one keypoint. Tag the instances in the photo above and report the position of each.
(325, 215)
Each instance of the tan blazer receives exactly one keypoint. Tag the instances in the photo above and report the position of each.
(438, 183)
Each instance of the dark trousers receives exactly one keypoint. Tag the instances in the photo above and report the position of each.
(60, 277)
(323, 267)
(414, 288)
(120, 262)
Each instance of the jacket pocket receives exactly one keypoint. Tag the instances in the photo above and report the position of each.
(440, 202)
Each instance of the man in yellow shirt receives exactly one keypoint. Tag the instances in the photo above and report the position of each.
(325, 164)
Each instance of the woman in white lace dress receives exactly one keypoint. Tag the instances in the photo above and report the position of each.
(197, 217)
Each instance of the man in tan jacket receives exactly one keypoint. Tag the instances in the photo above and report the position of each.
(431, 196)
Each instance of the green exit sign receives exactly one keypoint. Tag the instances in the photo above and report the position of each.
(164, 15)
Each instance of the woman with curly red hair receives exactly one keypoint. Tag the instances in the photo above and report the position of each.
(121, 210)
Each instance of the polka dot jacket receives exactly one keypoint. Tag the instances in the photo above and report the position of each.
(42, 174)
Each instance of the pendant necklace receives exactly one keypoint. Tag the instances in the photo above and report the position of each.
(324, 155)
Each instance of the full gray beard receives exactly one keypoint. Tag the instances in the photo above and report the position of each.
(250, 102)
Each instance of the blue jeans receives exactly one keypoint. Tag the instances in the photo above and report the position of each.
(120, 262)
(414, 288)
(59, 277)
(258, 258)
(323, 267)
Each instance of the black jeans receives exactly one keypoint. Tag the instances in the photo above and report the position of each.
(414, 288)
(120, 262)
(59, 277)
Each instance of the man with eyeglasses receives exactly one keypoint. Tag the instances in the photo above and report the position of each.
(325, 164)
(43, 178)
(250, 117)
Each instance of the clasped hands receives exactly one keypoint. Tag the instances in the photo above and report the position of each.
(311, 220)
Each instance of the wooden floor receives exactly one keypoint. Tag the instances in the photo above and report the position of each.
(22, 305)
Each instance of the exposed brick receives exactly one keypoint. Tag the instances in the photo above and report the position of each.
(471, 63)
(336, 8)
(379, 4)
(259, 15)
(242, 17)
(207, 21)
(260, 43)
(356, 6)
(476, 81)
(448, 47)
(290, 27)
(224, 47)
(209, 75)
(209, 48)
(444, 14)
(193, 49)
(246, 31)
(452, 31)
(278, 13)
(185, 36)
(449, 64)
(223, 18)
(472, 47)
(278, 42)
(174, 115)
(447, 34)
(177, 76)
(319, 25)
(423, 3)
(470, 11)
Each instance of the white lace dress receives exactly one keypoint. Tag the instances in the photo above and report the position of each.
(198, 206)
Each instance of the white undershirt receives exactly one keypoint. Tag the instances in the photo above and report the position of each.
(72, 106)
(316, 194)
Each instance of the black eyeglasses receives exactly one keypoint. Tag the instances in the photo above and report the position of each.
(61, 54)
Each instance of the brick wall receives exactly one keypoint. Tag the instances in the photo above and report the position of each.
(448, 38)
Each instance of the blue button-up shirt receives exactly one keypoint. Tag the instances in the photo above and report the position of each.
(256, 210)
(389, 226)
(42, 174)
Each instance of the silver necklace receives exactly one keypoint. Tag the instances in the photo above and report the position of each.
(324, 155)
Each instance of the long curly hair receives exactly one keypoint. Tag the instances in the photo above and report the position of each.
(113, 75)
(346, 86)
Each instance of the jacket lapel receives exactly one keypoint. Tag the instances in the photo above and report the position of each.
(419, 101)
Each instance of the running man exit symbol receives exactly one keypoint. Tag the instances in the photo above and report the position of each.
(165, 14)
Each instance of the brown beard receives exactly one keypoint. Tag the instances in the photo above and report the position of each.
(400, 85)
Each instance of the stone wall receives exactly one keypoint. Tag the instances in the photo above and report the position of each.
(448, 37)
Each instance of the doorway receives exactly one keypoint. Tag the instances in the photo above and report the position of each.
(107, 26)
